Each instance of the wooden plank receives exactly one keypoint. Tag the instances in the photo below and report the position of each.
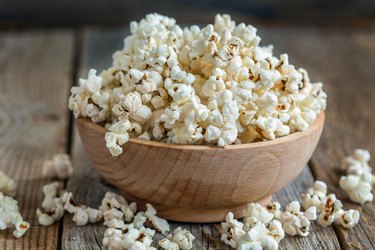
(34, 82)
(97, 50)
(344, 59)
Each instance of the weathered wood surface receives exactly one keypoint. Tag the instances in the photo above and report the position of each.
(345, 61)
(34, 81)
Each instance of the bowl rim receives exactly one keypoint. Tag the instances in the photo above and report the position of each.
(317, 124)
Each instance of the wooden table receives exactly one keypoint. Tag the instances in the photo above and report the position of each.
(38, 67)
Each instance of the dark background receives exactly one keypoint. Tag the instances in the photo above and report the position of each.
(53, 13)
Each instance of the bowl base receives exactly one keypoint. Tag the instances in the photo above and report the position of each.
(196, 215)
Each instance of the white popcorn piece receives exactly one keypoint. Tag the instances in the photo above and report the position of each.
(80, 217)
(314, 196)
(259, 237)
(129, 238)
(357, 164)
(359, 190)
(52, 206)
(168, 244)
(181, 239)
(7, 185)
(202, 79)
(81, 213)
(160, 224)
(276, 230)
(60, 166)
(44, 219)
(329, 208)
(11, 217)
(347, 219)
(21, 228)
(274, 208)
(232, 230)
(295, 222)
(259, 212)
(116, 210)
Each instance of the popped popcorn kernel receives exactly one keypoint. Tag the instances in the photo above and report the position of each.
(60, 166)
(7, 185)
(10, 216)
(215, 85)
(359, 180)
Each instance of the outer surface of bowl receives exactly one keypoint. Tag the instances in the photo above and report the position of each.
(200, 183)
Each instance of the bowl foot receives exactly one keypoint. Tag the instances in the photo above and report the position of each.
(197, 215)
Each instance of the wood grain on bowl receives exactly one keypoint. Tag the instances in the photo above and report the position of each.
(195, 183)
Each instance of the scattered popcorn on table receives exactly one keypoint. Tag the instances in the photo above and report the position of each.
(347, 219)
(116, 210)
(60, 166)
(274, 208)
(314, 196)
(81, 213)
(206, 86)
(360, 180)
(129, 238)
(329, 208)
(296, 222)
(233, 230)
(7, 185)
(181, 239)
(160, 224)
(52, 206)
(11, 217)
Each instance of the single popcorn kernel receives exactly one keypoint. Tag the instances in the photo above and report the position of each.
(215, 85)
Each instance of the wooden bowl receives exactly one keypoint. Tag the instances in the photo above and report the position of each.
(192, 183)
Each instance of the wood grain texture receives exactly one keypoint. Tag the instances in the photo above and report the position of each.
(192, 183)
(34, 81)
(347, 69)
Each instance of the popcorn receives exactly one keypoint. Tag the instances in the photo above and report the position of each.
(7, 185)
(296, 222)
(329, 208)
(359, 181)
(181, 239)
(129, 238)
(116, 210)
(160, 224)
(168, 244)
(359, 191)
(257, 211)
(52, 206)
(274, 208)
(11, 217)
(260, 237)
(81, 213)
(232, 230)
(60, 166)
(214, 85)
(347, 219)
(314, 196)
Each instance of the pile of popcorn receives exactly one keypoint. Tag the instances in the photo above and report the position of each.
(264, 227)
(206, 86)
(360, 180)
(126, 228)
